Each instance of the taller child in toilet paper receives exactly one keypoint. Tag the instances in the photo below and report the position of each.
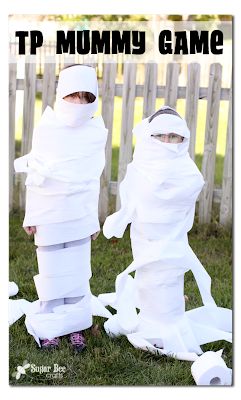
(158, 196)
(62, 191)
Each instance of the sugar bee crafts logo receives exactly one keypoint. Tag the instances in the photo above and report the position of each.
(21, 370)
(54, 371)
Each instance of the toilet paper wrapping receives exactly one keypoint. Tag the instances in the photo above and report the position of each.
(210, 370)
(158, 196)
(78, 78)
(113, 328)
(139, 341)
(64, 261)
(62, 321)
(98, 308)
(17, 308)
(63, 273)
(63, 170)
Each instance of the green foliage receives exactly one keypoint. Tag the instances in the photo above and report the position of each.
(203, 17)
(135, 17)
(175, 17)
(98, 17)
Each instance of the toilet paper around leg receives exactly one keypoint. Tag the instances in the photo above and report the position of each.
(63, 273)
(63, 320)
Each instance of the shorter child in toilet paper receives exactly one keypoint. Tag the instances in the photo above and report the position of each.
(64, 169)
(158, 196)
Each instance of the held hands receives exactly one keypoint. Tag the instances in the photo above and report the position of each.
(30, 230)
(95, 235)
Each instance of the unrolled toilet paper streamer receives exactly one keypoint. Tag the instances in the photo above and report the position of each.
(68, 312)
(162, 315)
(210, 370)
(64, 319)
(12, 289)
(17, 308)
(207, 369)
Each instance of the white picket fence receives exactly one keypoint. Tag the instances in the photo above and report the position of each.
(129, 90)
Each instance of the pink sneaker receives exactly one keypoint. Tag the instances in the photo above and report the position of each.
(50, 343)
(77, 341)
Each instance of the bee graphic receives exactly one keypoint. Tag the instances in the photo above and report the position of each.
(21, 370)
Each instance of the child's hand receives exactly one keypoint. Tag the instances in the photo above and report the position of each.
(30, 229)
(95, 235)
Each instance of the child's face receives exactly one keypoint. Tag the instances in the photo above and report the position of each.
(169, 138)
(77, 98)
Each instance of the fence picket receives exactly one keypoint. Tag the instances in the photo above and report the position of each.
(209, 154)
(28, 120)
(226, 199)
(150, 89)
(108, 96)
(171, 88)
(49, 81)
(12, 105)
(128, 102)
(192, 95)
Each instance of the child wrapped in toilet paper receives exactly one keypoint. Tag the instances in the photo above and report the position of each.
(158, 196)
(62, 192)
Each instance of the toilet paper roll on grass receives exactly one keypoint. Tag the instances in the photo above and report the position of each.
(210, 370)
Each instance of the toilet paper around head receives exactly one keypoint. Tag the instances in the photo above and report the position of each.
(210, 370)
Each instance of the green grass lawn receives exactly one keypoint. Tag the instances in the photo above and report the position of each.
(109, 361)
